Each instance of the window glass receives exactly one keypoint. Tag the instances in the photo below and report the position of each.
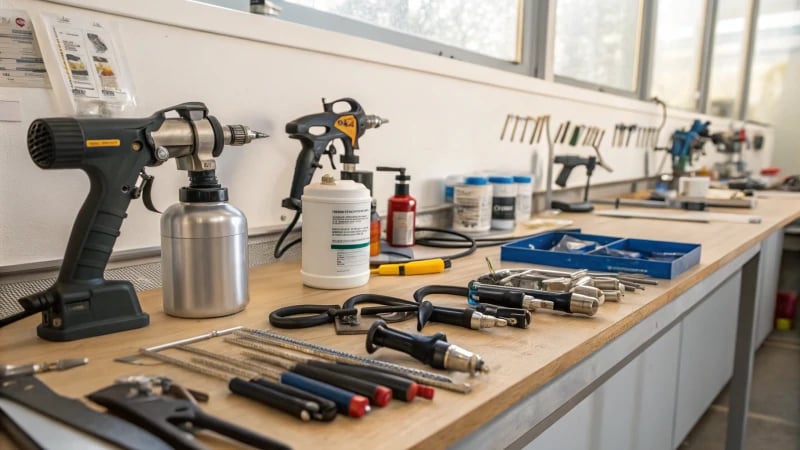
(487, 27)
(678, 49)
(598, 41)
(724, 88)
(776, 58)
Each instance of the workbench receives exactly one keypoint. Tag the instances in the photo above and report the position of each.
(637, 375)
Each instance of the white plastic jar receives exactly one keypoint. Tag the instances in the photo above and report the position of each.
(336, 234)
(472, 210)
(504, 198)
(524, 203)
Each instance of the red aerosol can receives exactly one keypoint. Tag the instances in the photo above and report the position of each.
(402, 213)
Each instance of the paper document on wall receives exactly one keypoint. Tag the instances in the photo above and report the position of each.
(92, 66)
(21, 63)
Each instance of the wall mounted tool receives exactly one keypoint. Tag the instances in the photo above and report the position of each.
(570, 162)
(542, 125)
(114, 154)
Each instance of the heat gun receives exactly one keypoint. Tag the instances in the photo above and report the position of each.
(114, 153)
(347, 126)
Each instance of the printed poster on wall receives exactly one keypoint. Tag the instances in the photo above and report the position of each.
(92, 65)
(21, 63)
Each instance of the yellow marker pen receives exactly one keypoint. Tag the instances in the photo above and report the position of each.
(413, 268)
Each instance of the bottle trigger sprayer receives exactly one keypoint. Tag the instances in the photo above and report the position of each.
(402, 211)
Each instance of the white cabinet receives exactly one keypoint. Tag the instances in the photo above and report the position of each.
(708, 342)
(632, 410)
(768, 273)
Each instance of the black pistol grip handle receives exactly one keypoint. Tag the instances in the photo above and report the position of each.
(307, 163)
(104, 149)
(563, 176)
(422, 348)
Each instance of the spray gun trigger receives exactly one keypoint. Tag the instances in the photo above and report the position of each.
(146, 188)
(331, 152)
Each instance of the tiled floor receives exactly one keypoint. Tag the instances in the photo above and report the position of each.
(774, 420)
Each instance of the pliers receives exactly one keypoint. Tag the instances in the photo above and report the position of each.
(168, 417)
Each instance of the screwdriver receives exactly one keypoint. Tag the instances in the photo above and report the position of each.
(283, 397)
(347, 402)
(377, 394)
(423, 267)
(403, 388)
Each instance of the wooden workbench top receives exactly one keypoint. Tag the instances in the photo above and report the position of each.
(520, 360)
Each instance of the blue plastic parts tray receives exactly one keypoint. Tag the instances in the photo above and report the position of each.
(538, 250)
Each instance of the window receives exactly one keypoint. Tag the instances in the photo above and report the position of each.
(777, 39)
(678, 50)
(490, 28)
(727, 62)
(597, 42)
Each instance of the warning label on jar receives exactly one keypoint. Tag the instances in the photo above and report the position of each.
(350, 228)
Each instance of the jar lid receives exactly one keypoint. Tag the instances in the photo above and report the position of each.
(477, 181)
(501, 179)
(523, 179)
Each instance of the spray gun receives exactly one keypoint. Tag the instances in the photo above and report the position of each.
(114, 154)
(347, 126)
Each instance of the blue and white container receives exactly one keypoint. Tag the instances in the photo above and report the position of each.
(523, 206)
(504, 198)
(472, 205)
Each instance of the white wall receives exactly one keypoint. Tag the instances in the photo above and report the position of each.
(446, 115)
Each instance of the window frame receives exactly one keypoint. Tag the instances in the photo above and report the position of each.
(526, 35)
(536, 39)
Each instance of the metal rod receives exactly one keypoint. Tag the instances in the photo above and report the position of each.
(261, 370)
(191, 340)
(185, 365)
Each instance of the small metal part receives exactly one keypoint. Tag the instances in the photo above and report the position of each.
(599, 138)
(456, 358)
(491, 268)
(374, 121)
(514, 128)
(590, 291)
(583, 304)
(480, 320)
(583, 281)
(505, 126)
(561, 284)
(525, 128)
(516, 317)
(162, 154)
(614, 295)
(605, 283)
